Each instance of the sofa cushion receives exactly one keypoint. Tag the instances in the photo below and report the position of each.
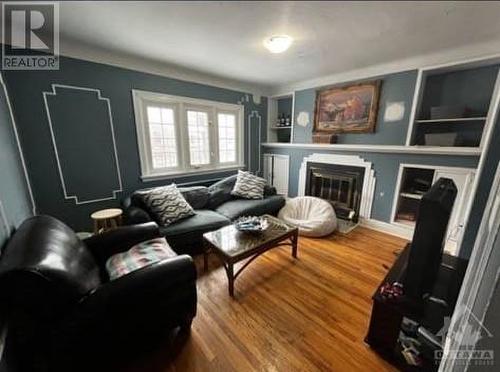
(249, 186)
(204, 220)
(167, 204)
(243, 207)
(140, 255)
(220, 192)
(196, 196)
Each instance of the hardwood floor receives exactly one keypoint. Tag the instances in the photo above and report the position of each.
(289, 315)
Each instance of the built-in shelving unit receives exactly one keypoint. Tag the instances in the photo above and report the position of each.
(280, 118)
(452, 105)
(414, 180)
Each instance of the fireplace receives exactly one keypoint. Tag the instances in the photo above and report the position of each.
(347, 181)
(341, 185)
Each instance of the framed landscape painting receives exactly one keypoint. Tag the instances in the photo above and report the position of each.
(349, 109)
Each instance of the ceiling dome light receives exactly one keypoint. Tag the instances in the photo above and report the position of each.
(278, 43)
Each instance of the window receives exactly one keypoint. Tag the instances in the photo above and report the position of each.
(178, 135)
(227, 137)
(162, 137)
(199, 142)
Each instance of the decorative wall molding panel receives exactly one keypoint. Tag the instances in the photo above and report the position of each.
(369, 179)
(254, 117)
(20, 150)
(78, 116)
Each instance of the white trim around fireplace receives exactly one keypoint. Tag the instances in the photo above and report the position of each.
(369, 179)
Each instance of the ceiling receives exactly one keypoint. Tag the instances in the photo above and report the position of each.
(224, 39)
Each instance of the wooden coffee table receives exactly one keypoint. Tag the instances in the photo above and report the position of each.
(233, 246)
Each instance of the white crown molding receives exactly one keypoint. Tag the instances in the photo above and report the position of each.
(54, 143)
(88, 53)
(19, 147)
(464, 54)
(387, 149)
(369, 180)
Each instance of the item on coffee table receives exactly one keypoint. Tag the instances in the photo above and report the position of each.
(251, 224)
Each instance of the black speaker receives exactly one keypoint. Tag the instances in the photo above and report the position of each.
(429, 238)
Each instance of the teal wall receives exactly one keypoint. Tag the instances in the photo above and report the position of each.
(398, 87)
(85, 142)
(15, 204)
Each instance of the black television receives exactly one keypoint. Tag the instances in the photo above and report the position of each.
(426, 249)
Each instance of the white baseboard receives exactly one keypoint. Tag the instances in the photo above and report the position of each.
(388, 228)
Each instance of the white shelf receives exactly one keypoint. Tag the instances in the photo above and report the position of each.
(276, 128)
(387, 149)
(453, 120)
(405, 223)
(411, 195)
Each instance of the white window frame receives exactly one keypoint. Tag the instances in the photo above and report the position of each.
(181, 105)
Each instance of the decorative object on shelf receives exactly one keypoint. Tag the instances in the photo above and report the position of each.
(282, 120)
(448, 112)
(394, 111)
(407, 216)
(303, 119)
(251, 224)
(319, 137)
(348, 109)
(288, 121)
(441, 139)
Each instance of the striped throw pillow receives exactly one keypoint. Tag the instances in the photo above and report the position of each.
(248, 186)
(140, 255)
(167, 204)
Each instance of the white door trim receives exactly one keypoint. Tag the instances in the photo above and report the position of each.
(481, 256)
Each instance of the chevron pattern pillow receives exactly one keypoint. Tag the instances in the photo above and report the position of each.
(248, 186)
(167, 204)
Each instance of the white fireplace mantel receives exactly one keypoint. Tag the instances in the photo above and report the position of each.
(369, 180)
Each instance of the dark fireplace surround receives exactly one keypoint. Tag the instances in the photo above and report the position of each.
(341, 185)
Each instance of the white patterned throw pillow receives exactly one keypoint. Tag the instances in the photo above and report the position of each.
(167, 204)
(249, 186)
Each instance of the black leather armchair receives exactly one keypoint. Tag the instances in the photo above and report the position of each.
(62, 311)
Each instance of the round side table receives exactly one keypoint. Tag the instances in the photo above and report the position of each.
(106, 219)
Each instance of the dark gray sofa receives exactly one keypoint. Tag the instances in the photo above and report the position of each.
(214, 206)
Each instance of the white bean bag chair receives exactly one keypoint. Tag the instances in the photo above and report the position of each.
(314, 217)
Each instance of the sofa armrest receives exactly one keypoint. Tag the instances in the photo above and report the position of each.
(120, 239)
(135, 215)
(132, 310)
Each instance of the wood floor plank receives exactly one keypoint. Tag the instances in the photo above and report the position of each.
(309, 314)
